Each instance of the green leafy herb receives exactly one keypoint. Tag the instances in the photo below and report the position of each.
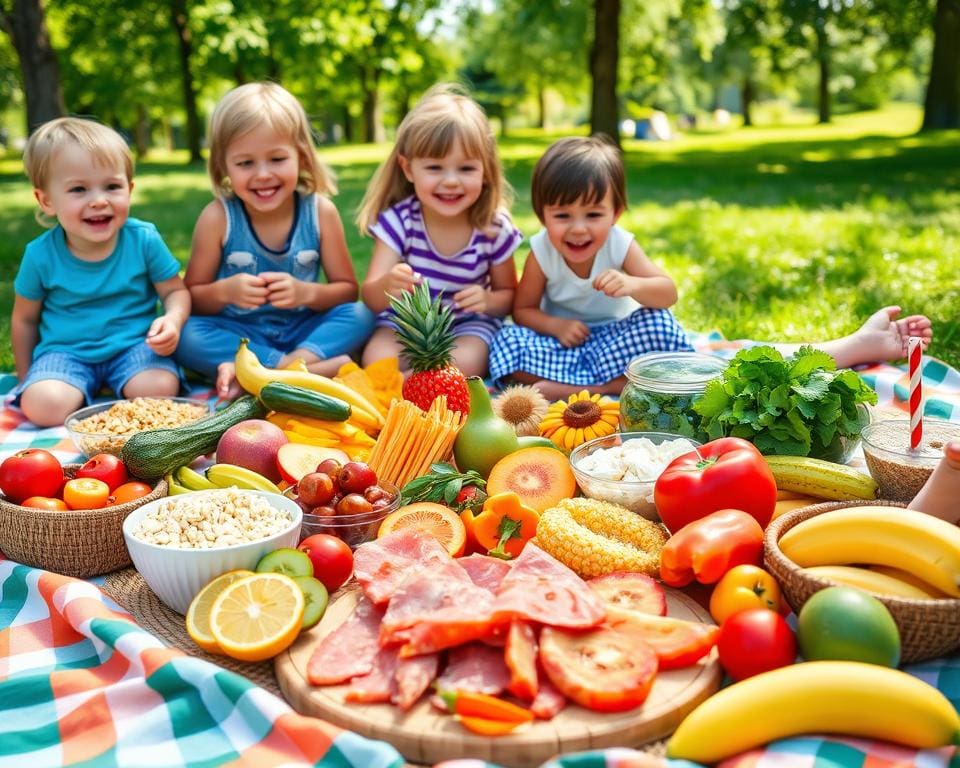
(442, 484)
(799, 406)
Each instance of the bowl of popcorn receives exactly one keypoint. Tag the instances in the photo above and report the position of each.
(622, 468)
(106, 427)
(180, 543)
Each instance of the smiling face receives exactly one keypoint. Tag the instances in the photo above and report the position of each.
(90, 199)
(263, 167)
(579, 229)
(445, 186)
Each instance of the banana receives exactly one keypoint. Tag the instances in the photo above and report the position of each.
(920, 544)
(173, 487)
(842, 697)
(821, 479)
(192, 480)
(227, 475)
(910, 579)
(871, 581)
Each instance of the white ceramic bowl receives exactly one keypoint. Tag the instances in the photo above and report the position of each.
(177, 575)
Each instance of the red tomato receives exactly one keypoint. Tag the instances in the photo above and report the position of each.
(130, 491)
(85, 493)
(754, 641)
(603, 670)
(332, 559)
(676, 642)
(30, 472)
(635, 591)
(45, 502)
(728, 473)
(106, 467)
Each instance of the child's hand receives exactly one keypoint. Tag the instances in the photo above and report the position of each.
(245, 291)
(283, 290)
(473, 298)
(571, 333)
(613, 283)
(163, 335)
(400, 278)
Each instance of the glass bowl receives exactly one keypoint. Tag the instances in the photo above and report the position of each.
(842, 448)
(352, 529)
(604, 482)
(137, 415)
(899, 471)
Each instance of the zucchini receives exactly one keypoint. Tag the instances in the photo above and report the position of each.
(289, 398)
(152, 454)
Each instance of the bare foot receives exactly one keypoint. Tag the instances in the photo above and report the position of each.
(883, 337)
(227, 386)
(329, 366)
(940, 495)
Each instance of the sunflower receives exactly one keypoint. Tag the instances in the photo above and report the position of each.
(579, 418)
(522, 407)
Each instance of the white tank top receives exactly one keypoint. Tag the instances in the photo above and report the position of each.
(568, 295)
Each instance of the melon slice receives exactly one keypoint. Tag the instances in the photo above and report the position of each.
(540, 476)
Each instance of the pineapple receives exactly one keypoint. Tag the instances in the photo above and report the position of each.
(423, 330)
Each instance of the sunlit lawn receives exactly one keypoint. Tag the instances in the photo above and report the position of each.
(782, 232)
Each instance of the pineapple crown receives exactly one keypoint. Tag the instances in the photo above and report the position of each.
(423, 328)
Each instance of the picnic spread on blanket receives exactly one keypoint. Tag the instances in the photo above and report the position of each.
(359, 580)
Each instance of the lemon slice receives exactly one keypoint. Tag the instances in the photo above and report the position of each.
(198, 615)
(258, 616)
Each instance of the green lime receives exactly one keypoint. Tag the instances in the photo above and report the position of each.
(845, 623)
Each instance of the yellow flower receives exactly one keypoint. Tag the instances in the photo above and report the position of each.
(579, 418)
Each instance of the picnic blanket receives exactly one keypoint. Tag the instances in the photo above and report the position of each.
(81, 684)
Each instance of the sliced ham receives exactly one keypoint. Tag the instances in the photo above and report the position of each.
(549, 701)
(476, 668)
(542, 589)
(485, 571)
(380, 683)
(383, 565)
(413, 677)
(520, 656)
(350, 650)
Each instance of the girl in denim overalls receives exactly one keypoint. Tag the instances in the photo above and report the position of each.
(258, 249)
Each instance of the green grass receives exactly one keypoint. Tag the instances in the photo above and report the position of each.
(784, 232)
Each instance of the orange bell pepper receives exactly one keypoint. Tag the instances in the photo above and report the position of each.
(707, 548)
(741, 588)
(504, 525)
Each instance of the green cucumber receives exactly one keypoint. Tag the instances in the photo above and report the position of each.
(288, 398)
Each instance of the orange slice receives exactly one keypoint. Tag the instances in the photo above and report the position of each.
(258, 616)
(439, 521)
(198, 615)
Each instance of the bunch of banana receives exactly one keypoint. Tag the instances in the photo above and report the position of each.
(821, 479)
(842, 697)
(232, 476)
(349, 438)
(922, 545)
(254, 376)
(876, 582)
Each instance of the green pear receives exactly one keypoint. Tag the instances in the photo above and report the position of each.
(485, 438)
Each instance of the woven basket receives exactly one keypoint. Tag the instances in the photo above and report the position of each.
(928, 628)
(81, 542)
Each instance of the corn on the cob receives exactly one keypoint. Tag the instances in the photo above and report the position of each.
(594, 538)
(821, 479)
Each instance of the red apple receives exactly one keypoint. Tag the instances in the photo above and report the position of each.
(253, 444)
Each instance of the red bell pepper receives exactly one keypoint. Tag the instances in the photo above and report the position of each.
(709, 547)
(728, 473)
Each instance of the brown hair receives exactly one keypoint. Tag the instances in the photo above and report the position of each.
(575, 168)
(104, 144)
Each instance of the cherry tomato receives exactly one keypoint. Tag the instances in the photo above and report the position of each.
(45, 502)
(603, 670)
(85, 493)
(106, 467)
(30, 472)
(332, 559)
(743, 587)
(130, 491)
(755, 640)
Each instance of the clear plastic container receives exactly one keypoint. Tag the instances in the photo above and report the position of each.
(660, 390)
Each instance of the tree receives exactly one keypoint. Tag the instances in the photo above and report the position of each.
(604, 61)
(745, 52)
(941, 108)
(25, 22)
(180, 21)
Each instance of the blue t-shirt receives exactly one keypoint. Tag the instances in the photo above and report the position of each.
(95, 309)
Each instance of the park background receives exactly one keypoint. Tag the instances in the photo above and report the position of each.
(833, 188)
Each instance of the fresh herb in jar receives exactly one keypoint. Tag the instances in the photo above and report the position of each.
(799, 406)
(646, 411)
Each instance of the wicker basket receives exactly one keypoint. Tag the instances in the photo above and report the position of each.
(81, 543)
(928, 628)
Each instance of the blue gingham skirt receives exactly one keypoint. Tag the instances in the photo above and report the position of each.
(601, 358)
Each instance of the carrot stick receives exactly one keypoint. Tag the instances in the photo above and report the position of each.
(488, 727)
(480, 705)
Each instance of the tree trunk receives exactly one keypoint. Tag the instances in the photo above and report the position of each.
(179, 19)
(542, 105)
(823, 61)
(141, 133)
(746, 99)
(27, 27)
(347, 125)
(372, 130)
(604, 56)
(941, 108)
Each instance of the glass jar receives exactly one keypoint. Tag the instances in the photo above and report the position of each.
(660, 389)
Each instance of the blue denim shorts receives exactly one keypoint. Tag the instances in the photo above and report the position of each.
(90, 378)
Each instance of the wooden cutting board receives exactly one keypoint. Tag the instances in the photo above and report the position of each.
(424, 735)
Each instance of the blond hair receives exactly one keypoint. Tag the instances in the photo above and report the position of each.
(445, 115)
(248, 106)
(105, 146)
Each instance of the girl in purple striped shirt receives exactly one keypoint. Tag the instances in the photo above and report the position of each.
(436, 210)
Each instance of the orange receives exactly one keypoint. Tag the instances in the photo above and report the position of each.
(439, 521)
(198, 614)
(258, 616)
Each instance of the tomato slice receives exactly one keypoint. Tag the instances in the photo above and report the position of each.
(521, 658)
(603, 669)
(676, 642)
(634, 591)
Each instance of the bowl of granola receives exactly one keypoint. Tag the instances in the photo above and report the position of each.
(106, 427)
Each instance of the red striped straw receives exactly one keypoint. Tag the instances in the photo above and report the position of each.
(916, 393)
